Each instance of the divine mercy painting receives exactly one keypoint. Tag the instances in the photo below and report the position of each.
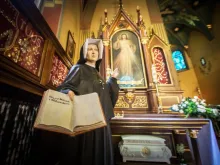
(127, 57)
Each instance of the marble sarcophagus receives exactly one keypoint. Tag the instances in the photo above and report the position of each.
(144, 148)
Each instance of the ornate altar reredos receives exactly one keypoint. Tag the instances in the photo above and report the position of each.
(134, 48)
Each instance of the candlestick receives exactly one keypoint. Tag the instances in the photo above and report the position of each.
(154, 73)
(155, 81)
(141, 18)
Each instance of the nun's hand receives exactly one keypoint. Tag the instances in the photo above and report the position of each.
(71, 95)
(115, 73)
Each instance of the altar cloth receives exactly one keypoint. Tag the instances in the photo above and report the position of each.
(208, 146)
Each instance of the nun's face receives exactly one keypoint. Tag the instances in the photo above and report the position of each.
(92, 53)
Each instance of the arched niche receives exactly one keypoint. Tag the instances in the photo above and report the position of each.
(156, 42)
(160, 62)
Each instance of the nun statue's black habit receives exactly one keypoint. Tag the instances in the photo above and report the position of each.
(94, 147)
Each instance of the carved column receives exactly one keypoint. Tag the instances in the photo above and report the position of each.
(106, 59)
(151, 91)
(49, 50)
(156, 20)
(148, 61)
(193, 134)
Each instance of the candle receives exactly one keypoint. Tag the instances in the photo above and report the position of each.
(138, 8)
(154, 73)
(141, 17)
(105, 10)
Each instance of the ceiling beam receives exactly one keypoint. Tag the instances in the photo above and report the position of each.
(177, 38)
(203, 27)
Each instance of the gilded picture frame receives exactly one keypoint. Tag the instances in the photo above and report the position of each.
(127, 56)
(70, 45)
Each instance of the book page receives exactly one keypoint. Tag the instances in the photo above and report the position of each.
(40, 111)
(56, 110)
(87, 110)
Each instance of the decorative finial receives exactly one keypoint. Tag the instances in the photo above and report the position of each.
(141, 18)
(138, 16)
(120, 4)
(92, 35)
(106, 16)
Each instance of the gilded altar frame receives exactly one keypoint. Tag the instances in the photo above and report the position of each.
(134, 99)
(132, 36)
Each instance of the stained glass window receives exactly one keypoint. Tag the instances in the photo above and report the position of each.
(179, 60)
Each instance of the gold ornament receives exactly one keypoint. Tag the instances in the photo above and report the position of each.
(130, 96)
(140, 102)
(145, 151)
(121, 103)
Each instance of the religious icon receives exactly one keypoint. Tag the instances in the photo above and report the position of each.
(70, 46)
(126, 56)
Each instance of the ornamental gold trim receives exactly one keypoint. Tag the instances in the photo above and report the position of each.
(179, 132)
(144, 40)
(106, 42)
(145, 151)
(129, 96)
(161, 133)
(8, 47)
(162, 127)
(194, 134)
(140, 102)
(156, 122)
(121, 103)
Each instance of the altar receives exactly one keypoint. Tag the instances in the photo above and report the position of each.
(145, 130)
(174, 130)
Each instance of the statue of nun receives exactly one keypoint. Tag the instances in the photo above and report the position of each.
(94, 147)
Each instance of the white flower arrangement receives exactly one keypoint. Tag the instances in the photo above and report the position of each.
(195, 107)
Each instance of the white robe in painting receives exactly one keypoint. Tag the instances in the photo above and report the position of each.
(126, 60)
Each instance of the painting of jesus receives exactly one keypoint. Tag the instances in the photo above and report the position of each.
(127, 58)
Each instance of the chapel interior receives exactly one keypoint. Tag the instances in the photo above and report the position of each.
(178, 41)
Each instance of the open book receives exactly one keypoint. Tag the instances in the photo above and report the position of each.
(58, 113)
